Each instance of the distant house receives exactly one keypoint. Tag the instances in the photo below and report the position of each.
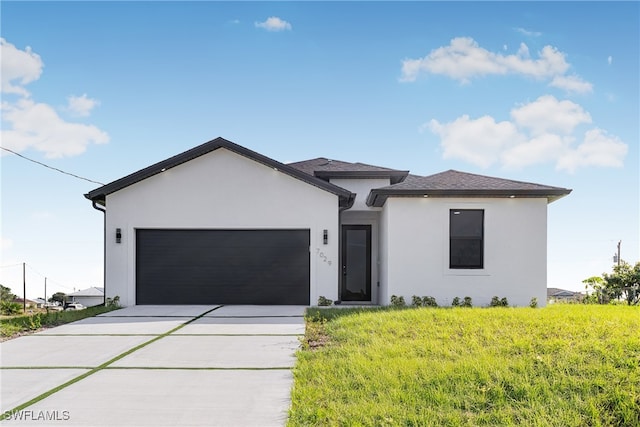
(88, 297)
(221, 224)
(557, 294)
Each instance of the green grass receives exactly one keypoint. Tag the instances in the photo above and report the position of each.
(17, 325)
(565, 365)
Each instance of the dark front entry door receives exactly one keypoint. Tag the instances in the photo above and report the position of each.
(356, 263)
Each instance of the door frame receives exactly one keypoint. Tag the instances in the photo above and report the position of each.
(344, 268)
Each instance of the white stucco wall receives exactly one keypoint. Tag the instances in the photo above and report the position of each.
(415, 239)
(221, 190)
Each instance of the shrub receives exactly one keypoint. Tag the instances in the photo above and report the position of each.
(455, 302)
(497, 302)
(9, 308)
(467, 302)
(323, 302)
(533, 303)
(416, 301)
(398, 301)
(429, 302)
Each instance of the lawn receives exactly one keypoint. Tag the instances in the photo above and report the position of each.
(14, 326)
(564, 365)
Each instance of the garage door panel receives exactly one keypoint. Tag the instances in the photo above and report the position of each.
(222, 266)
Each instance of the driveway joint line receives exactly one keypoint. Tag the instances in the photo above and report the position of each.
(98, 368)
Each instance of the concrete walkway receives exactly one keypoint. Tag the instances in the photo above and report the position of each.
(155, 366)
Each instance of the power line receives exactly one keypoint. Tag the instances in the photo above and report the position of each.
(51, 167)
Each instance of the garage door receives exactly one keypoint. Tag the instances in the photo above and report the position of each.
(222, 266)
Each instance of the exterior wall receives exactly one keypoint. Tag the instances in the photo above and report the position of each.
(362, 188)
(89, 301)
(415, 242)
(221, 190)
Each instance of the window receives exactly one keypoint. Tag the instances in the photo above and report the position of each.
(466, 238)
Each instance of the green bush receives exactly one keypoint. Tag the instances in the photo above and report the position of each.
(324, 302)
(416, 301)
(455, 302)
(429, 302)
(398, 301)
(533, 303)
(467, 302)
(497, 302)
(9, 308)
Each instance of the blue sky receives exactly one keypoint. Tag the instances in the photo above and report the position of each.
(543, 92)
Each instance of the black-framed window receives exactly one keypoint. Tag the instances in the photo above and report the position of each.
(466, 238)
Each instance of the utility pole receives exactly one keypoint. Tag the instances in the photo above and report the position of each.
(45, 291)
(619, 242)
(24, 288)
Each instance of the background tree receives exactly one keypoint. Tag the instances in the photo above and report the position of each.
(598, 296)
(5, 294)
(624, 282)
(60, 297)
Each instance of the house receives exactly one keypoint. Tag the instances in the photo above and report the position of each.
(28, 303)
(557, 294)
(88, 297)
(221, 223)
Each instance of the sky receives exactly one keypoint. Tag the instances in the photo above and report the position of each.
(544, 92)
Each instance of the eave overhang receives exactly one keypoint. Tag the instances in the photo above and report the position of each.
(378, 197)
(394, 176)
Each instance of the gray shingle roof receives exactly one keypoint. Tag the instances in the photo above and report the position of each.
(324, 168)
(453, 183)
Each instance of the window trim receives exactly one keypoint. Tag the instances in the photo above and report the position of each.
(458, 267)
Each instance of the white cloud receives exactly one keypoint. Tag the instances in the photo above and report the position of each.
(546, 114)
(478, 141)
(463, 59)
(609, 59)
(81, 105)
(38, 126)
(540, 132)
(30, 124)
(528, 33)
(598, 148)
(21, 65)
(274, 23)
(572, 83)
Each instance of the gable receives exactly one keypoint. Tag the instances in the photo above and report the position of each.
(99, 195)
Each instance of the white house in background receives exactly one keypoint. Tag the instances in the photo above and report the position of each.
(223, 224)
(88, 297)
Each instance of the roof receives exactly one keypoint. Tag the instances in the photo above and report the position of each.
(453, 183)
(91, 292)
(99, 194)
(326, 169)
(557, 292)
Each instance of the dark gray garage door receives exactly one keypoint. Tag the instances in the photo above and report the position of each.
(222, 266)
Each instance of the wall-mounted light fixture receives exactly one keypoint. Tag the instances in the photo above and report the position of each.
(118, 235)
(325, 236)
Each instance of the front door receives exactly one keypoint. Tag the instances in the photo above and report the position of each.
(356, 263)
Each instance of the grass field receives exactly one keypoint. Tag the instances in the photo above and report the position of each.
(564, 365)
(12, 326)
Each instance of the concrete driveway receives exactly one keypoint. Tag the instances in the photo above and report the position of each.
(155, 366)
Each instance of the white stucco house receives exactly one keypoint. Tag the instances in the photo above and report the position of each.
(221, 224)
(88, 297)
